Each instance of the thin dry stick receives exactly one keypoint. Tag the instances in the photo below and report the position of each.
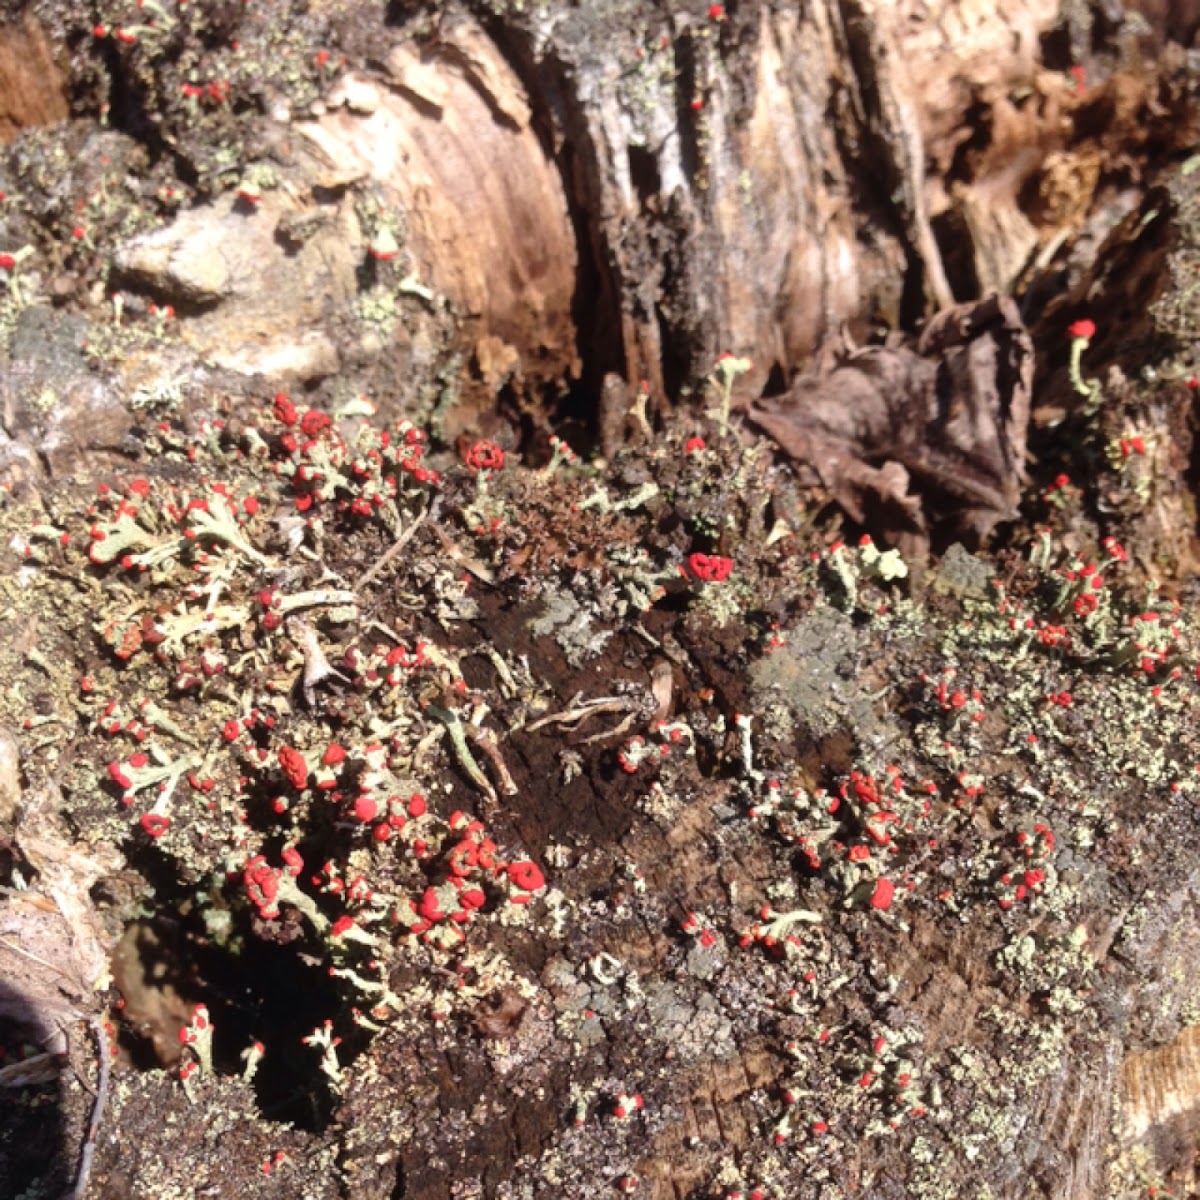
(394, 549)
(589, 708)
(89, 1146)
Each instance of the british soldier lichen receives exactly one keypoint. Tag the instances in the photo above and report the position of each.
(270, 657)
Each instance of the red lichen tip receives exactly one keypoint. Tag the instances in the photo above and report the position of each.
(527, 876)
(155, 825)
(484, 456)
(713, 568)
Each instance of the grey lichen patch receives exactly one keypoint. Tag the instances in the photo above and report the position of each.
(696, 1030)
(1174, 312)
(573, 628)
(962, 573)
(813, 678)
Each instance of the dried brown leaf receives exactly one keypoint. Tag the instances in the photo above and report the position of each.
(926, 429)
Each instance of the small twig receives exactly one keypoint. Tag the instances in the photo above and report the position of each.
(647, 637)
(464, 560)
(507, 683)
(38, 1068)
(317, 666)
(390, 553)
(621, 729)
(485, 739)
(93, 1132)
(662, 687)
(577, 715)
(458, 739)
(33, 957)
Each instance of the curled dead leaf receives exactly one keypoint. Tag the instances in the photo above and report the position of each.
(920, 429)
